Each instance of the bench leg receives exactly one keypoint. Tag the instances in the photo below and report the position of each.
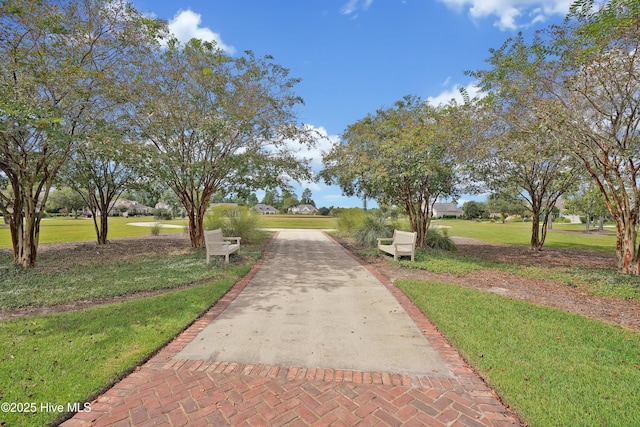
(226, 258)
(207, 257)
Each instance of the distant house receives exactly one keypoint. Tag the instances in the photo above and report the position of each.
(266, 209)
(441, 210)
(126, 207)
(303, 209)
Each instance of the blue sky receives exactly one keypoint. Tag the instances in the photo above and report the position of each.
(355, 56)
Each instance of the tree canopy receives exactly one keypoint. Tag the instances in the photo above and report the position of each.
(398, 156)
(86, 88)
(212, 122)
(60, 59)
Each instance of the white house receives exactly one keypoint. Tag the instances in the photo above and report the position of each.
(263, 209)
(440, 210)
(303, 209)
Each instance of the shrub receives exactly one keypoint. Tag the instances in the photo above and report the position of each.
(370, 228)
(245, 225)
(155, 229)
(436, 240)
(238, 222)
(162, 213)
(348, 220)
(215, 220)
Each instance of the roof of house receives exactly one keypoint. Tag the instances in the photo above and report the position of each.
(260, 207)
(447, 207)
(304, 207)
(130, 204)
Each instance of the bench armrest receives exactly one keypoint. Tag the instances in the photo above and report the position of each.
(384, 238)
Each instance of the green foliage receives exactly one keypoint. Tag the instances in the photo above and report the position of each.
(41, 132)
(246, 225)
(233, 136)
(236, 221)
(370, 227)
(474, 210)
(436, 239)
(348, 220)
(378, 158)
(552, 367)
(155, 229)
(162, 213)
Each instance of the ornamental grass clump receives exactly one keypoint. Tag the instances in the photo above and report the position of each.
(348, 220)
(239, 222)
(370, 228)
(439, 240)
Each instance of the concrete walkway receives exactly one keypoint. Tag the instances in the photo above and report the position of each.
(309, 337)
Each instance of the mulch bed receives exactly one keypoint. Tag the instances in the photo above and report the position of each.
(623, 312)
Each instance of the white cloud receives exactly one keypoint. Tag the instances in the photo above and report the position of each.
(454, 93)
(511, 14)
(324, 142)
(185, 25)
(353, 6)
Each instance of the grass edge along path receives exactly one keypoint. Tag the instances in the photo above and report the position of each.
(552, 367)
(72, 357)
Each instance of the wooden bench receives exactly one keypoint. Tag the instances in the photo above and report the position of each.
(403, 243)
(216, 244)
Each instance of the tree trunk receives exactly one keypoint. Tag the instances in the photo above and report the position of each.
(102, 228)
(626, 249)
(601, 224)
(196, 224)
(587, 230)
(25, 228)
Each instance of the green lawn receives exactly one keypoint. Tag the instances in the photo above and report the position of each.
(72, 356)
(552, 367)
(298, 221)
(568, 236)
(68, 229)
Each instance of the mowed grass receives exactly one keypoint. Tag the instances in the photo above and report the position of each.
(68, 229)
(554, 368)
(57, 282)
(544, 362)
(562, 236)
(71, 357)
(596, 281)
(298, 221)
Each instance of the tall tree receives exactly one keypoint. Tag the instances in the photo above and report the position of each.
(593, 74)
(214, 122)
(401, 155)
(518, 155)
(58, 58)
(587, 200)
(100, 171)
(65, 198)
(307, 197)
